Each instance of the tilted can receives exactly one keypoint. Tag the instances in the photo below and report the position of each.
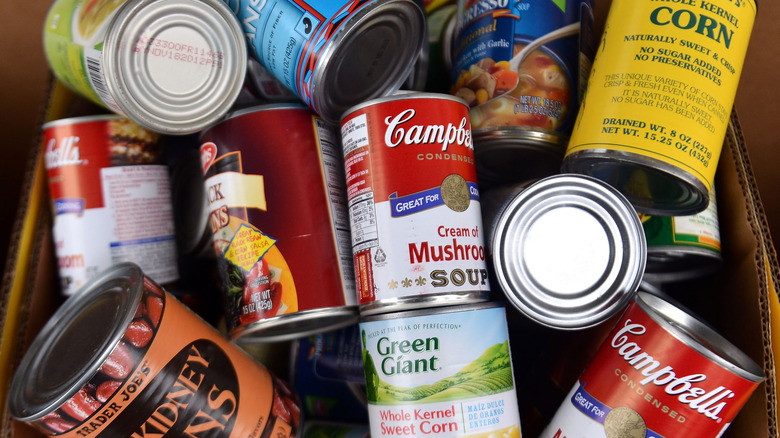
(122, 357)
(568, 251)
(172, 66)
(414, 204)
(661, 372)
(277, 201)
(111, 199)
(442, 372)
(522, 67)
(334, 55)
(659, 100)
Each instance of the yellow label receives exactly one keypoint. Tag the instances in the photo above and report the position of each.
(664, 80)
(248, 245)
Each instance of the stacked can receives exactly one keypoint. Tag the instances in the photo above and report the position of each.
(435, 351)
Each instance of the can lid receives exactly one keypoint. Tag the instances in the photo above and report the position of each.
(569, 251)
(692, 331)
(75, 342)
(370, 56)
(174, 66)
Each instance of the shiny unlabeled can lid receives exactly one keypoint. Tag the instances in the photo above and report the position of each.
(174, 66)
(568, 251)
(75, 342)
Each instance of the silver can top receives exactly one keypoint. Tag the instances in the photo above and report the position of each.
(568, 251)
(174, 66)
(371, 56)
(75, 342)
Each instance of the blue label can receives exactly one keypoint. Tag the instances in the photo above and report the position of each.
(334, 54)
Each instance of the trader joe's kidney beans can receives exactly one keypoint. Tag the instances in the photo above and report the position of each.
(111, 199)
(414, 206)
(659, 98)
(277, 201)
(660, 373)
(334, 54)
(123, 358)
(444, 372)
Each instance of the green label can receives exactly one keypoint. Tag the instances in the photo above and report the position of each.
(444, 372)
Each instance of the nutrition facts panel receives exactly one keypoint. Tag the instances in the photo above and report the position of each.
(362, 211)
(363, 217)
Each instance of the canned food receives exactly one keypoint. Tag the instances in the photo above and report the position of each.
(334, 55)
(658, 105)
(122, 357)
(661, 372)
(277, 200)
(441, 25)
(683, 247)
(414, 205)
(568, 251)
(442, 372)
(111, 199)
(265, 86)
(522, 68)
(172, 66)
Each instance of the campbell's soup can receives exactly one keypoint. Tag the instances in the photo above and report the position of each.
(172, 66)
(334, 54)
(522, 67)
(277, 211)
(661, 372)
(443, 372)
(659, 100)
(111, 199)
(122, 357)
(414, 205)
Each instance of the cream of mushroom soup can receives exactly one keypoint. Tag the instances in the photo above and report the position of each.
(444, 372)
(413, 201)
(661, 372)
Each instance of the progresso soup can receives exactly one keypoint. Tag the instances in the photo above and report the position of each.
(414, 205)
(111, 199)
(123, 358)
(522, 67)
(335, 54)
(277, 201)
(659, 100)
(172, 66)
(661, 372)
(444, 372)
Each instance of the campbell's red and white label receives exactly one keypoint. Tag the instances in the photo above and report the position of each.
(645, 382)
(413, 200)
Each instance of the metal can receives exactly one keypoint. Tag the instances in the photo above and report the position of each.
(443, 372)
(122, 357)
(334, 55)
(568, 251)
(659, 101)
(277, 201)
(414, 205)
(265, 86)
(172, 66)
(111, 199)
(522, 67)
(683, 247)
(661, 372)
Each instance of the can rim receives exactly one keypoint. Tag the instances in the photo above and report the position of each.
(129, 79)
(431, 311)
(700, 336)
(411, 95)
(114, 295)
(282, 328)
(82, 119)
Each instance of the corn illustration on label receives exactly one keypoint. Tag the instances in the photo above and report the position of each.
(664, 80)
(441, 375)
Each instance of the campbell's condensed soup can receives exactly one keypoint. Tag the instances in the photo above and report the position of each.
(660, 373)
(122, 357)
(659, 100)
(414, 205)
(274, 178)
(443, 372)
(522, 67)
(334, 54)
(172, 66)
(111, 199)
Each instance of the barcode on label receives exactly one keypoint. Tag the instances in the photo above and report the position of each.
(94, 66)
